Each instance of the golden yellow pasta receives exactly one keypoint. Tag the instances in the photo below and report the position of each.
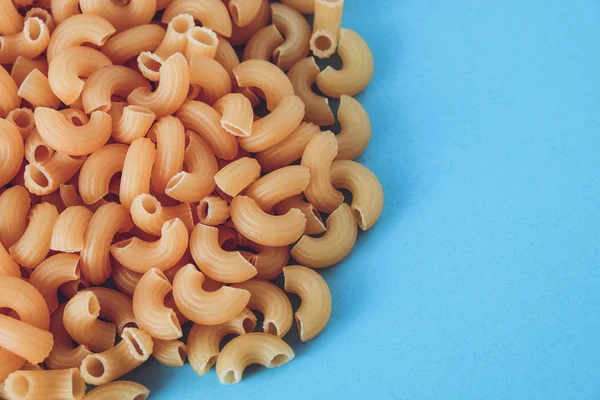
(244, 11)
(315, 309)
(251, 348)
(22, 118)
(279, 185)
(42, 14)
(11, 151)
(81, 321)
(33, 247)
(63, 355)
(8, 266)
(201, 41)
(36, 90)
(169, 135)
(125, 279)
(137, 170)
(203, 344)
(355, 130)
(64, 384)
(211, 14)
(326, 27)
(107, 82)
(149, 215)
(149, 65)
(263, 43)
(367, 193)
(36, 150)
(241, 34)
(303, 75)
(10, 99)
(303, 6)
(130, 122)
(211, 77)
(152, 315)
(118, 390)
(213, 211)
(238, 175)
(202, 307)
(10, 20)
(289, 150)
(130, 43)
(29, 43)
(53, 272)
(134, 348)
(296, 31)
(226, 57)
(267, 77)
(115, 307)
(357, 67)
(71, 288)
(175, 38)
(14, 206)
(237, 114)
(98, 169)
(314, 222)
(23, 66)
(216, 263)
(63, 9)
(317, 157)
(45, 178)
(267, 260)
(69, 229)
(121, 16)
(24, 340)
(172, 353)
(270, 230)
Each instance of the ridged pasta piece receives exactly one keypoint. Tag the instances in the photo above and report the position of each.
(36, 90)
(149, 215)
(314, 222)
(251, 348)
(201, 41)
(149, 65)
(211, 14)
(357, 67)
(275, 127)
(172, 353)
(115, 307)
(134, 348)
(303, 75)
(241, 34)
(175, 38)
(125, 279)
(12, 151)
(207, 308)
(63, 384)
(140, 256)
(10, 20)
(326, 27)
(23, 67)
(29, 43)
(296, 30)
(226, 56)
(355, 130)
(213, 211)
(169, 135)
(42, 14)
(63, 354)
(315, 308)
(267, 260)
(204, 341)
(367, 193)
(33, 247)
(14, 206)
(130, 43)
(237, 175)
(122, 17)
(303, 6)
(22, 119)
(243, 11)
(53, 272)
(211, 77)
(63, 9)
(8, 266)
(114, 80)
(121, 390)
(81, 321)
(69, 67)
(71, 288)
(109, 219)
(332, 247)
(267, 77)
(45, 178)
(270, 230)
(23, 340)
(77, 30)
(206, 121)
(98, 169)
(279, 185)
(137, 170)
(171, 91)
(10, 99)
(317, 157)
(289, 150)
(130, 122)
(197, 180)
(272, 302)
(153, 316)
(216, 263)
(263, 43)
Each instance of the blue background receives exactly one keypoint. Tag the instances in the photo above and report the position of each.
(481, 279)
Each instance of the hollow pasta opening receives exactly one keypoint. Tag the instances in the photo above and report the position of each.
(203, 210)
(323, 43)
(210, 363)
(149, 205)
(38, 177)
(140, 397)
(193, 92)
(230, 377)
(22, 118)
(41, 153)
(33, 29)
(122, 244)
(150, 62)
(271, 329)
(279, 359)
(182, 353)
(130, 337)
(203, 36)
(94, 367)
(229, 244)
(77, 385)
(248, 325)
(76, 121)
(93, 305)
(131, 324)
(181, 24)
(20, 387)
(299, 325)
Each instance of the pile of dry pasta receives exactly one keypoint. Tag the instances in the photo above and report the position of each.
(139, 190)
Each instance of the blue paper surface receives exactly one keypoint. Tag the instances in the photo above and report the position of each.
(482, 279)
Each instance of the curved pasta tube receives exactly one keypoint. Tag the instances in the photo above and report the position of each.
(204, 341)
(267, 260)
(237, 175)
(315, 309)
(36, 90)
(63, 136)
(109, 219)
(357, 67)
(318, 155)
(367, 193)
(251, 348)
(140, 256)
(29, 43)
(314, 222)
(149, 307)
(171, 91)
(14, 204)
(98, 169)
(22, 119)
(125, 279)
(237, 114)
(289, 150)
(42, 14)
(71, 288)
(279, 185)
(201, 41)
(63, 355)
(326, 27)
(303, 75)
(226, 56)
(263, 43)
(115, 307)
(33, 247)
(134, 348)
(81, 322)
(296, 31)
(244, 11)
(45, 178)
(137, 170)
(202, 118)
(53, 272)
(77, 30)
(44, 384)
(241, 34)
(23, 66)
(169, 135)
(122, 17)
(332, 247)
(216, 263)
(10, 20)
(63, 9)
(69, 66)
(303, 6)
(23, 340)
(207, 308)
(270, 230)
(213, 211)
(211, 14)
(123, 390)
(149, 65)
(130, 122)
(197, 180)
(150, 216)
(355, 129)
(12, 151)
(8, 266)
(275, 127)
(69, 229)
(272, 302)
(271, 80)
(213, 79)
(107, 82)
(130, 43)
(10, 99)
(175, 38)
(171, 353)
